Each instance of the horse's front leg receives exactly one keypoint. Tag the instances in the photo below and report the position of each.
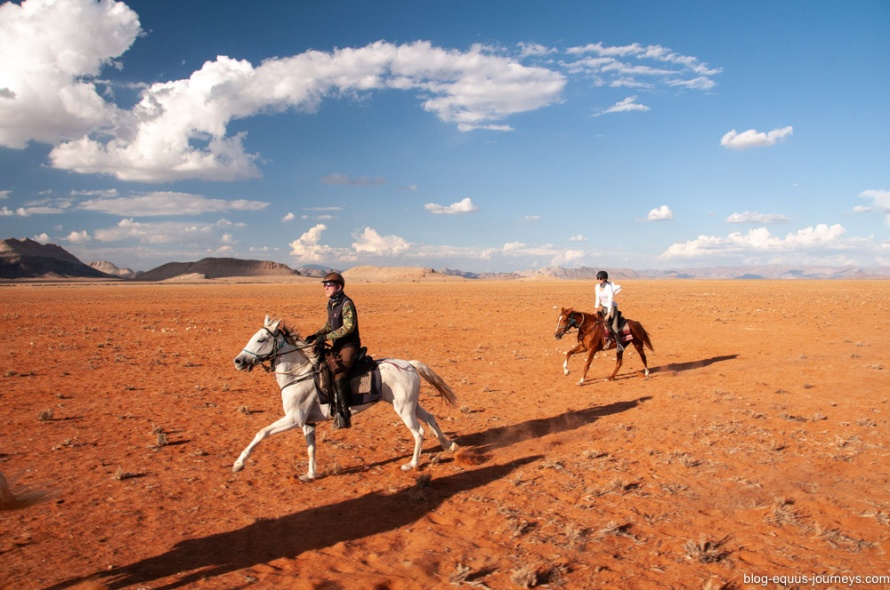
(309, 433)
(280, 425)
(565, 365)
(590, 355)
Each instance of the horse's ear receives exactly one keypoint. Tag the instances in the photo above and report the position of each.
(272, 324)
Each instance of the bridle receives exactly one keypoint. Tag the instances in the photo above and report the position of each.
(571, 322)
(280, 344)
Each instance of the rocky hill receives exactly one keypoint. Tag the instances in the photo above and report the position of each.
(27, 259)
(217, 268)
(110, 269)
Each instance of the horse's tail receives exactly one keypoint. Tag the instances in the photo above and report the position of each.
(644, 336)
(437, 382)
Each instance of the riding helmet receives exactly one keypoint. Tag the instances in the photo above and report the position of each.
(602, 275)
(334, 277)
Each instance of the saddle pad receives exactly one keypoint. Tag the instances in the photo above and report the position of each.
(366, 387)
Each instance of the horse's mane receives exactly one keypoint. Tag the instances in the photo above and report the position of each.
(290, 334)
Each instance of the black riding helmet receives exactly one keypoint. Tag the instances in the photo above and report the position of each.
(602, 275)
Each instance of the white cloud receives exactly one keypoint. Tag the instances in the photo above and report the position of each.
(880, 202)
(753, 217)
(307, 248)
(288, 217)
(168, 203)
(77, 237)
(179, 129)
(160, 233)
(752, 138)
(531, 218)
(640, 66)
(4, 194)
(625, 106)
(465, 205)
(577, 238)
(759, 241)
(662, 213)
(368, 241)
(50, 53)
(42, 238)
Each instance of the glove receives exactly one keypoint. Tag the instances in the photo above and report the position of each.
(311, 338)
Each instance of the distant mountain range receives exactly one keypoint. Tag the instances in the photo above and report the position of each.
(28, 259)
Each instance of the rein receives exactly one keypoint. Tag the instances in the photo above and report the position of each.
(280, 339)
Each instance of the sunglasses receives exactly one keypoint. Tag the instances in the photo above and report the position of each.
(330, 284)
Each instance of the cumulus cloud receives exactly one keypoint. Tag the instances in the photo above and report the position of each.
(4, 194)
(308, 247)
(465, 205)
(179, 129)
(288, 217)
(80, 237)
(368, 241)
(754, 217)
(168, 203)
(625, 106)
(49, 58)
(760, 240)
(662, 213)
(753, 138)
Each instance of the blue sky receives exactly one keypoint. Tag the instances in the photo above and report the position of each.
(482, 136)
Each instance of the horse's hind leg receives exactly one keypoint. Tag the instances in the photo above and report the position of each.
(280, 425)
(639, 347)
(409, 417)
(447, 445)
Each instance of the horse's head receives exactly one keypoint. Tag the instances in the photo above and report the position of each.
(568, 319)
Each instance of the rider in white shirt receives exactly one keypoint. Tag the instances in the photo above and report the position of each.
(605, 298)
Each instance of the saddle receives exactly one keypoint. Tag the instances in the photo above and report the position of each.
(624, 334)
(364, 379)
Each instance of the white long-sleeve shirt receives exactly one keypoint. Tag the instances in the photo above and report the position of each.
(605, 295)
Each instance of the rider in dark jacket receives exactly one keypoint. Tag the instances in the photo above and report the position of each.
(341, 330)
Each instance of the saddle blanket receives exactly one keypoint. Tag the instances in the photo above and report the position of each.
(365, 383)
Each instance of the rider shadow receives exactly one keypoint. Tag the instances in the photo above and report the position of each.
(266, 540)
(678, 367)
(505, 436)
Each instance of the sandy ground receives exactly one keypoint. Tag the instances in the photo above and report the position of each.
(757, 447)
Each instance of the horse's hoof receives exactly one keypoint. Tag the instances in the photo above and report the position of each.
(408, 467)
(581, 382)
(237, 467)
(566, 372)
(453, 448)
(307, 478)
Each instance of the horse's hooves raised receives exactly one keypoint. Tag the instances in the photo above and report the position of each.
(237, 467)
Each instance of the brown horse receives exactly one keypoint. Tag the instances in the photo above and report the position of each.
(592, 337)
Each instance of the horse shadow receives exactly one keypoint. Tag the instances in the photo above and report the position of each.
(496, 438)
(289, 536)
(688, 366)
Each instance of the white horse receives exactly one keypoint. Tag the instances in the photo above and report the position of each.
(295, 365)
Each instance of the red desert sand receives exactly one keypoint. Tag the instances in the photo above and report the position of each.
(757, 448)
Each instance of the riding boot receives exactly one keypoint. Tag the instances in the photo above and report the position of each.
(618, 346)
(342, 418)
